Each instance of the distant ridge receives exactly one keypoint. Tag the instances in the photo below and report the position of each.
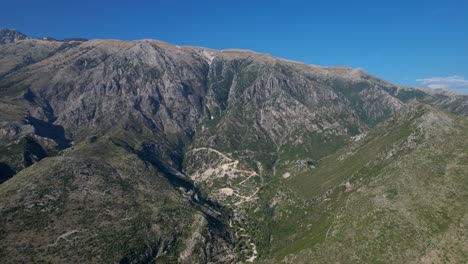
(10, 36)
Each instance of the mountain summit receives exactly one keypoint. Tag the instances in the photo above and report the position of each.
(10, 36)
(142, 151)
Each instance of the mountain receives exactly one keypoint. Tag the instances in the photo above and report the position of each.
(142, 151)
(397, 195)
(10, 36)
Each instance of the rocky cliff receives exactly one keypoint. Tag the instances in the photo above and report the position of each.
(142, 151)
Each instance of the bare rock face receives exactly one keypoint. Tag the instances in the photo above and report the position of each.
(10, 36)
(105, 84)
(136, 131)
(104, 87)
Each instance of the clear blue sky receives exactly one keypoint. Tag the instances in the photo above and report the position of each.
(400, 41)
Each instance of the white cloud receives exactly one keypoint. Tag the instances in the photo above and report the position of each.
(454, 83)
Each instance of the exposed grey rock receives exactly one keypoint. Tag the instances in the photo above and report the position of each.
(10, 36)
(131, 113)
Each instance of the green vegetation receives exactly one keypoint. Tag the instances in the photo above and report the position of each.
(23, 154)
(142, 152)
(369, 201)
(105, 202)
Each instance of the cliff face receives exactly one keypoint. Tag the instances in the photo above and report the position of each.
(102, 87)
(106, 120)
(10, 36)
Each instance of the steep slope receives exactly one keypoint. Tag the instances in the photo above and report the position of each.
(153, 92)
(18, 51)
(10, 36)
(193, 155)
(396, 196)
(100, 202)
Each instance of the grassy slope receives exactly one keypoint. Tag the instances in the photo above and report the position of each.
(397, 196)
(95, 203)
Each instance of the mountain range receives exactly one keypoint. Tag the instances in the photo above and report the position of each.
(147, 152)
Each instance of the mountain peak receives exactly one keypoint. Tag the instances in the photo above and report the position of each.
(198, 155)
(10, 36)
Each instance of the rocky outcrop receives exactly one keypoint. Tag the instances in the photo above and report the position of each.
(10, 36)
(134, 131)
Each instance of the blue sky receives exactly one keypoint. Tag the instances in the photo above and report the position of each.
(406, 42)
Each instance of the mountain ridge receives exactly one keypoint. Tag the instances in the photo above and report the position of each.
(200, 48)
(209, 153)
